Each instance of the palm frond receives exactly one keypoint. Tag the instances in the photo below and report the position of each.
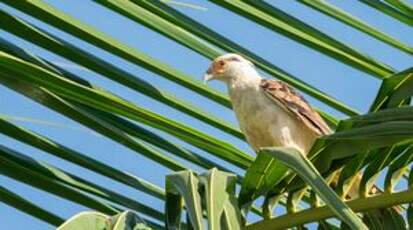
(364, 149)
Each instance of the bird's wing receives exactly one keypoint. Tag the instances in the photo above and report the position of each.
(286, 97)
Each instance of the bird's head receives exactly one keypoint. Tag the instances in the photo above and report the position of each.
(228, 67)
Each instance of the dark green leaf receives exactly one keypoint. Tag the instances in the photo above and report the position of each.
(394, 90)
(274, 19)
(114, 121)
(294, 159)
(342, 16)
(185, 36)
(410, 214)
(18, 202)
(390, 11)
(373, 219)
(42, 11)
(350, 174)
(373, 170)
(347, 143)
(35, 179)
(385, 115)
(397, 169)
(173, 211)
(315, 214)
(183, 184)
(393, 220)
(107, 102)
(261, 177)
(54, 173)
(410, 205)
(98, 65)
(73, 156)
(402, 6)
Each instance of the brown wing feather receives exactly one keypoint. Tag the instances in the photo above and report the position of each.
(285, 96)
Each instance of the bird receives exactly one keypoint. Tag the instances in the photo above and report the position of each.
(270, 113)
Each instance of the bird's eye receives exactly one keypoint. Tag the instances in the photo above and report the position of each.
(234, 59)
(221, 63)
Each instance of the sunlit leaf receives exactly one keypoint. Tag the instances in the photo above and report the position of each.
(183, 185)
(220, 199)
(99, 221)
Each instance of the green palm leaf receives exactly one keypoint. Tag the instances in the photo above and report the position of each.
(88, 60)
(26, 175)
(184, 35)
(363, 150)
(390, 11)
(110, 103)
(18, 202)
(267, 15)
(335, 12)
(70, 25)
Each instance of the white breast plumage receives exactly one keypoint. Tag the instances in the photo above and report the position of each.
(265, 123)
(270, 112)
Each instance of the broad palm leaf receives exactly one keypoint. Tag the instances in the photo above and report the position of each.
(374, 143)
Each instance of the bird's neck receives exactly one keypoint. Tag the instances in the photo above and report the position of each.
(247, 79)
(244, 84)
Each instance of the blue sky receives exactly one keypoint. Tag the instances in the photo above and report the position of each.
(350, 86)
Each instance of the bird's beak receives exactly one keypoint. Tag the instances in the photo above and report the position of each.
(208, 77)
